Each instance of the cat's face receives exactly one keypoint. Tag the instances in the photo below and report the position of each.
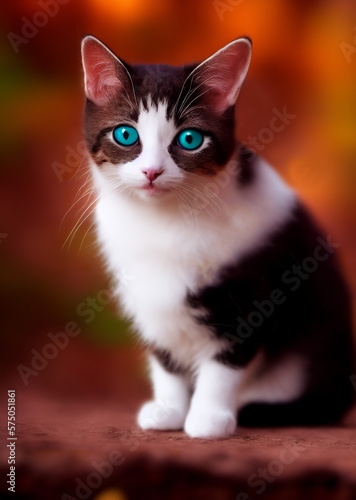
(161, 130)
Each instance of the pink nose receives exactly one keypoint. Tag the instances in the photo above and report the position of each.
(152, 173)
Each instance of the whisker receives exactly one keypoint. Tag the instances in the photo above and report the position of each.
(187, 203)
(207, 188)
(85, 195)
(189, 92)
(85, 235)
(205, 196)
(186, 104)
(79, 223)
(201, 205)
(81, 166)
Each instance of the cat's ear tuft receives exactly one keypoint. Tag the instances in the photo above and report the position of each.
(104, 74)
(221, 75)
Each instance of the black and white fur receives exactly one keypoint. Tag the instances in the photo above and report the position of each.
(194, 250)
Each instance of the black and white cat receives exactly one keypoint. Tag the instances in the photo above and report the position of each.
(226, 278)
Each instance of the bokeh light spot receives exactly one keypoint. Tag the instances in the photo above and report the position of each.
(111, 494)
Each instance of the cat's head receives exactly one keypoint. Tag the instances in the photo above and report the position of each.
(155, 130)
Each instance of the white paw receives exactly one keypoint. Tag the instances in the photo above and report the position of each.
(211, 424)
(160, 416)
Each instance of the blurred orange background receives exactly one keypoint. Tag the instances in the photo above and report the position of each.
(304, 61)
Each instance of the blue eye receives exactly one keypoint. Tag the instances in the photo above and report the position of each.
(125, 135)
(190, 139)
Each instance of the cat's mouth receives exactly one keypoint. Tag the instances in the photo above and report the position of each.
(152, 189)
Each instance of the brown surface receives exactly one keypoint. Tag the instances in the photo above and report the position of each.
(59, 438)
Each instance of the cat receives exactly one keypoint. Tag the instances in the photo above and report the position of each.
(227, 279)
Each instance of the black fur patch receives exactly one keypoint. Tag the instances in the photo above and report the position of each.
(166, 360)
(100, 123)
(288, 297)
(97, 145)
(246, 161)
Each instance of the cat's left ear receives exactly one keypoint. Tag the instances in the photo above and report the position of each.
(220, 76)
(105, 75)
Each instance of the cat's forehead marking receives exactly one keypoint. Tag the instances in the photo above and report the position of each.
(154, 122)
(156, 132)
(159, 84)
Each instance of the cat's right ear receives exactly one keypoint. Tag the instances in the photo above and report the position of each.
(104, 74)
(220, 77)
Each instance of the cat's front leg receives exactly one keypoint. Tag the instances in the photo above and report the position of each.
(169, 408)
(212, 413)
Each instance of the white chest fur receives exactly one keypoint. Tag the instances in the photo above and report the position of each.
(158, 256)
